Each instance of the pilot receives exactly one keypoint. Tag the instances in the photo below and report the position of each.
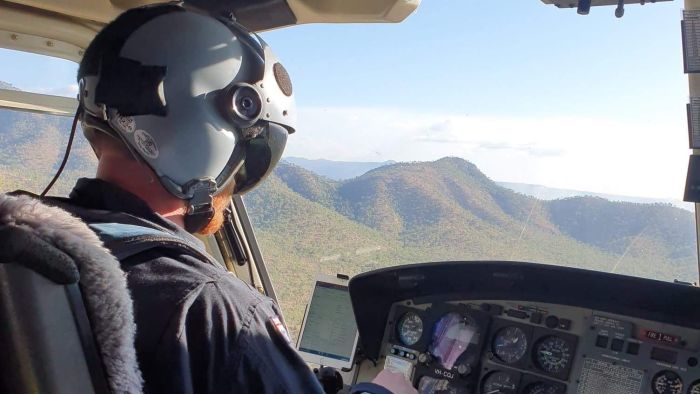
(182, 109)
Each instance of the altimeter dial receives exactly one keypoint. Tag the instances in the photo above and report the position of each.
(410, 328)
(499, 382)
(552, 354)
(510, 344)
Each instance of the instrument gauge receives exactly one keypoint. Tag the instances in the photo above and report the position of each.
(410, 328)
(667, 382)
(552, 354)
(542, 388)
(499, 382)
(510, 344)
(694, 387)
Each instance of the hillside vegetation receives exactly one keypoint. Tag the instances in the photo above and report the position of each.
(398, 213)
(32, 147)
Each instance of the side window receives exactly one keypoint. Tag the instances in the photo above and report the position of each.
(32, 145)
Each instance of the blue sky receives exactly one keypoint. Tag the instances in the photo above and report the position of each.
(518, 57)
(528, 92)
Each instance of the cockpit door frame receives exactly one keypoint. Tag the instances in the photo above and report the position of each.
(694, 91)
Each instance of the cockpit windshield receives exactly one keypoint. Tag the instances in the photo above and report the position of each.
(483, 131)
(472, 131)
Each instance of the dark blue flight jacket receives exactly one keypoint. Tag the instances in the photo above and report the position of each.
(199, 328)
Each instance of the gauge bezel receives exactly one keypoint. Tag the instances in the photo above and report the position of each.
(499, 324)
(401, 318)
(399, 312)
(539, 335)
(665, 371)
(486, 373)
(693, 383)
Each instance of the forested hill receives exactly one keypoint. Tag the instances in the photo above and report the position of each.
(449, 202)
(31, 149)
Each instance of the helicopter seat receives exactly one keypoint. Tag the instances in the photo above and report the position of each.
(67, 317)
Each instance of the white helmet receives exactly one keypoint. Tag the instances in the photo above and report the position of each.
(198, 98)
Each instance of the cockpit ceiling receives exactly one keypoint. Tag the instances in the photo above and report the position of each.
(63, 27)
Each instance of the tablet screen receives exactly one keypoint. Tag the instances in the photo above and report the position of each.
(330, 328)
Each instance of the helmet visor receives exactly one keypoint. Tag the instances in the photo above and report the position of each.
(261, 156)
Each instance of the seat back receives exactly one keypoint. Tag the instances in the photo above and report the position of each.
(40, 339)
(59, 334)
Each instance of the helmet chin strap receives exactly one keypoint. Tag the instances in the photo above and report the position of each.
(200, 208)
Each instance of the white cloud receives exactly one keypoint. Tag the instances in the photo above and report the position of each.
(602, 155)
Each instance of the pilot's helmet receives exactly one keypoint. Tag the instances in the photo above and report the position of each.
(197, 97)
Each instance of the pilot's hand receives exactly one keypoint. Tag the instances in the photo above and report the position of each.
(394, 382)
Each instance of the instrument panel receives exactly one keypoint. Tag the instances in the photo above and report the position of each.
(448, 343)
(496, 347)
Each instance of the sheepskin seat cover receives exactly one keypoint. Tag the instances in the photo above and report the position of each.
(102, 283)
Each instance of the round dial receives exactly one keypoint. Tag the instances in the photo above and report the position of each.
(541, 388)
(667, 382)
(552, 354)
(510, 344)
(499, 383)
(410, 328)
(694, 387)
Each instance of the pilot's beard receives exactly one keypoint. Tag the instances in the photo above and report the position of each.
(219, 202)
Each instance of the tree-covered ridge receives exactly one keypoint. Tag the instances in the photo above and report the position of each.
(401, 198)
(32, 147)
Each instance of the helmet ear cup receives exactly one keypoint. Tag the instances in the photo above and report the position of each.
(282, 78)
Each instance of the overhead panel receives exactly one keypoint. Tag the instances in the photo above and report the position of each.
(255, 14)
(343, 11)
(73, 23)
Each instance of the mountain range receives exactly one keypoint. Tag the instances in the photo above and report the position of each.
(342, 170)
(372, 215)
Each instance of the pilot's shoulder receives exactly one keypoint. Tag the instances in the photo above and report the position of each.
(233, 295)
